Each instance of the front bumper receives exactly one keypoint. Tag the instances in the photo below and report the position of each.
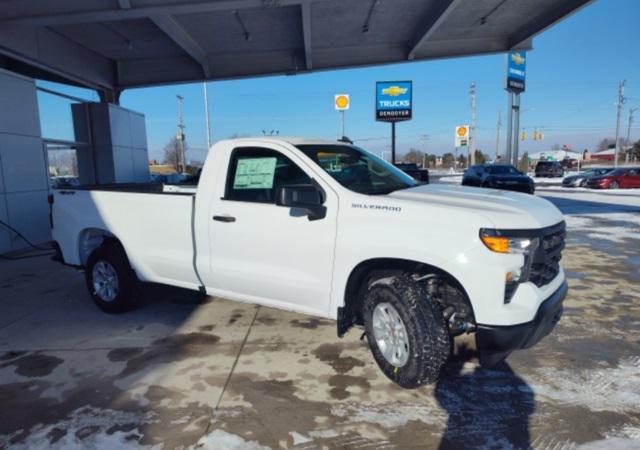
(494, 343)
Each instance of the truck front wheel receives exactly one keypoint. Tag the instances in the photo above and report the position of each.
(406, 331)
(110, 279)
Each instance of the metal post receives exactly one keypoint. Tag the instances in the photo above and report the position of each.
(628, 152)
(471, 158)
(516, 128)
(620, 103)
(181, 127)
(498, 125)
(206, 114)
(342, 123)
(509, 127)
(393, 142)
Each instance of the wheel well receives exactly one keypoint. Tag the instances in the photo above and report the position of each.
(90, 239)
(452, 292)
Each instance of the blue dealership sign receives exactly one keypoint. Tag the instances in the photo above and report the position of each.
(394, 101)
(516, 71)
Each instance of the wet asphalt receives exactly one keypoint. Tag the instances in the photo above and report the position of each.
(180, 372)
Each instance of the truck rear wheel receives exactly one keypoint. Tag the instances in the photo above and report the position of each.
(110, 279)
(406, 331)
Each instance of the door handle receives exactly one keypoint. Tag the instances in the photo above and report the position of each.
(224, 218)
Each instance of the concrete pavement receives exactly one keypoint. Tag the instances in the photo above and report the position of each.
(179, 372)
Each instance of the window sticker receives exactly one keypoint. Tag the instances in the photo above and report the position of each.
(255, 173)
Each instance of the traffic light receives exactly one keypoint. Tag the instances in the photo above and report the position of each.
(541, 136)
(535, 135)
(523, 136)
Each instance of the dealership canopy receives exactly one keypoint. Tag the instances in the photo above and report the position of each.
(111, 45)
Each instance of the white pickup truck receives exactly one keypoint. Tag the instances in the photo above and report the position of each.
(328, 229)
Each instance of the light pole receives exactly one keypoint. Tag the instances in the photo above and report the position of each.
(180, 136)
(498, 125)
(628, 152)
(471, 158)
(424, 138)
(621, 101)
(206, 114)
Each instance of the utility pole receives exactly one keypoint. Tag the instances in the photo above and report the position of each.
(498, 125)
(628, 152)
(180, 136)
(516, 127)
(206, 114)
(621, 100)
(471, 159)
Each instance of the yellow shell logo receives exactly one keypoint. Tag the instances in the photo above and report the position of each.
(461, 131)
(342, 101)
(517, 58)
(394, 91)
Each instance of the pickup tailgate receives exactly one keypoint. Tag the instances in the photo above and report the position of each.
(154, 229)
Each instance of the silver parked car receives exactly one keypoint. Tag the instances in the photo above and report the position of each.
(580, 180)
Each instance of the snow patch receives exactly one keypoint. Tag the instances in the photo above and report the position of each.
(606, 389)
(586, 222)
(454, 179)
(221, 440)
(391, 416)
(627, 438)
(91, 424)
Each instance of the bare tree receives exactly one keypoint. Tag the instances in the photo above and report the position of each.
(447, 160)
(172, 153)
(414, 156)
(480, 157)
(523, 164)
(610, 142)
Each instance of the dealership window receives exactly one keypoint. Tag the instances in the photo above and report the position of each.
(256, 173)
(63, 165)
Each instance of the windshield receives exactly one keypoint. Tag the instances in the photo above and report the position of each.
(357, 169)
(617, 172)
(501, 170)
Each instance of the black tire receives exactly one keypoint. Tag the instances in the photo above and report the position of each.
(583, 183)
(111, 254)
(614, 185)
(427, 334)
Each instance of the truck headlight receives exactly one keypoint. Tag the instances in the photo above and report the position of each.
(499, 243)
(496, 242)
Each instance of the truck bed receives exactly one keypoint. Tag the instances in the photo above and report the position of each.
(140, 188)
(154, 226)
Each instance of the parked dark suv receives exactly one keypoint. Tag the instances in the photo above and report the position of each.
(498, 176)
(551, 169)
(414, 171)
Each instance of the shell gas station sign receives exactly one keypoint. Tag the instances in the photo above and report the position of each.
(462, 135)
(341, 102)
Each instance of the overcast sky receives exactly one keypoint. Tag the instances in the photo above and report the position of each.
(572, 80)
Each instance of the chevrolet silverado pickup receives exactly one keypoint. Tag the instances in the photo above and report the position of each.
(329, 229)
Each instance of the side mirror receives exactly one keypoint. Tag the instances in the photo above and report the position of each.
(306, 197)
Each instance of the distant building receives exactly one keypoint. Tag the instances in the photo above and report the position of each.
(556, 155)
(604, 155)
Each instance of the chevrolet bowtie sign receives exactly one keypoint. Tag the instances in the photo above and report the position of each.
(394, 101)
(516, 71)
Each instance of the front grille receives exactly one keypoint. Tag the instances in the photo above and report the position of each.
(546, 260)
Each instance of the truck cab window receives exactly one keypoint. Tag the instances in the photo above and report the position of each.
(255, 174)
(358, 170)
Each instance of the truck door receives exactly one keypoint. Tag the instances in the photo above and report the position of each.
(266, 253)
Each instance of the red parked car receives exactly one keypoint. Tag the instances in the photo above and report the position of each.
(628, 177)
